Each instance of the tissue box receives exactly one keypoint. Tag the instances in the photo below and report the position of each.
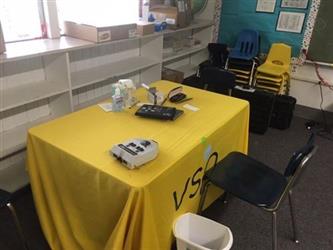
(97, 34)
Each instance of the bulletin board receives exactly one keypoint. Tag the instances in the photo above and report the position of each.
(321, 45)
(237, 15)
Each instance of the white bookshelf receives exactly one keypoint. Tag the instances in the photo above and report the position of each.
(29, 80)
(93, 101)
(21, 95)
(196, 24)
(41, 47)
(185, 57)
(187, 69)
(44, 79)
(15, 138)
(184, 52)
(13, 174)
(96, 74)
(15, 123)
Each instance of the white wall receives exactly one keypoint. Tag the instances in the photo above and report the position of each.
(305, 89)
(208, 12)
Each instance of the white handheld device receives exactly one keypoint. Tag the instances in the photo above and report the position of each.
(135, 152)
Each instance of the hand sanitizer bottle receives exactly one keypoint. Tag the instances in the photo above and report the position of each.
(117, 101)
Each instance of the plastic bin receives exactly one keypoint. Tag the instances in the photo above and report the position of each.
(194, 232)
(261, 107)
(283, 111)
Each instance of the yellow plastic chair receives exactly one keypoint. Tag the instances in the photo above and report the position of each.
(278, 87)
(278, 60)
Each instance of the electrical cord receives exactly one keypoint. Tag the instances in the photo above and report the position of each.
(322, 80)
(321, 104)
(324, 132)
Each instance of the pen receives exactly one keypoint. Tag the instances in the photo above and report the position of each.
(184, 100)
(135, 103)
(164, 101)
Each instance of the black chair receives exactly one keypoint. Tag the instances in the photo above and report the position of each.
(218, 54)
(252, 181)
(13, 181)
(194, 81)
(218, 80)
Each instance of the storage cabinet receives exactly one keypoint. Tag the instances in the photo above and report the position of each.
(45, 79)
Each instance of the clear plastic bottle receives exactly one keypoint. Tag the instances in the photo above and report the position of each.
(145, 10)
(117, 101)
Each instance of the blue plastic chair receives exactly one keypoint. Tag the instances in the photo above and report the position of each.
(247, 45)
(244, 53)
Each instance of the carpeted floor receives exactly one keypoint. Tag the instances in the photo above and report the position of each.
(313, 196)
(251, 227)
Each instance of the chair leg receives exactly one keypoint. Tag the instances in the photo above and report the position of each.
(18, 225)
(225, 197)
(293, 217)
(274, 232)
(203, 196)
(226, 66)
(252, 74)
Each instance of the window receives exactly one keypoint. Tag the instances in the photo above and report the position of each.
(24, 19)
(98, 12)
(21, 19)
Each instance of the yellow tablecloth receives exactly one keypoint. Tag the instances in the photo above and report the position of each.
(86, 199)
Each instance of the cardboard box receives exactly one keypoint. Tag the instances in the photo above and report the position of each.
(178, 16)
(99, 34)
(168, 14)
(2, 42)
(172, 75)
(184, 13)
(145, 28)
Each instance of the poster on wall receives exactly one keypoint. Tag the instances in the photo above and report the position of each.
(290, 22)
(297, 4)
(266, 6)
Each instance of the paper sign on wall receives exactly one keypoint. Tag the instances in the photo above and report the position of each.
(266, 6)
(299, 4)
(290, 22)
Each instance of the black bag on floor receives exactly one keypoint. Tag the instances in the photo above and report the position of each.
(283, 111)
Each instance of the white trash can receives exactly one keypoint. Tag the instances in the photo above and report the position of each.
(194, 232)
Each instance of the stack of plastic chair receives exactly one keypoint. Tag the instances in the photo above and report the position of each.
(243, 57)
(274, 74)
